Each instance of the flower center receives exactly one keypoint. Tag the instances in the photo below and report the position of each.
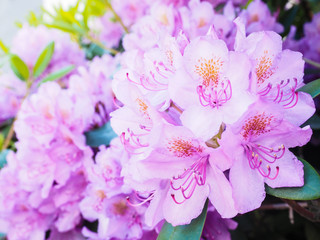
(120, 207)
(264, 68)
(182, 147)
(256, 125)
(209, 71)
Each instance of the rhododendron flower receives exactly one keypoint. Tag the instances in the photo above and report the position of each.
(153, 71)
(105, 198)
(135, 120)
(258, 18)
(12, 91)
(258, 144)
(212, 88)
(272, 77)
(217, 228)
(188, 171)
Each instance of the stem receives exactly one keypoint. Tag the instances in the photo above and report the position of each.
(176, 108)
(280, 206)
(11, 130)
(117, 17)
(100, 44)
(301, 210)
(312, 63)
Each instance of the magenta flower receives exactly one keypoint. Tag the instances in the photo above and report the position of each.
(258, 144)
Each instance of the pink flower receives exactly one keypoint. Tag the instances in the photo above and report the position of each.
(212, 87)
(153, 71)
(180, 173)
(217, 228)
(105, 198)
(12, 91)
(258, 144)
(258, 18)
(272, 78)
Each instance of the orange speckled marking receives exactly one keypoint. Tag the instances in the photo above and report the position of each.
(182, 147)
(256, 125)
(263, 69)
(209, 71)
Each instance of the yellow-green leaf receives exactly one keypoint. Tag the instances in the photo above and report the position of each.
(43, 60)
(19, 67)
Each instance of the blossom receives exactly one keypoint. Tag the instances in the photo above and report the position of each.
(258, 17)
(106, 200)
(212, 86)
(12, 91)
(182, 172)
(217, 228)
(260, 142)
(272, 78)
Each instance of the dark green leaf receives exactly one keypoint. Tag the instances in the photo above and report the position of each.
(314, 122)
(310, 190)
(43, 60)
(93, 50)
(3, 157)
(58, 74)
(191, 231)
(19, 67)
(313, 88)
(100, 136)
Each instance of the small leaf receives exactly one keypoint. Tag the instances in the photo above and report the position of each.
(3, 158)
(309, 191)
(4, 48)
(191, 231)
(19, 67)
(100, 136)
(313, 88)
(58, 74)
(43, 60)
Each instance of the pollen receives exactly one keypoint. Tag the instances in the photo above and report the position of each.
(101, 195)
(202, 23)
(209, 71)
(169, 55)
(264, 68)
(256, 125)
(182, 147)
(143, 107)
(120, 207)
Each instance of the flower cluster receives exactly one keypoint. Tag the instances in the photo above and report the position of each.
(204, 104)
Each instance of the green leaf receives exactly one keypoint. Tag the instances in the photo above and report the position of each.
(191, 231)
(4, 48)
(313, 88)
(310, 190)
(100, 136)
(58, 74)
(19, 67)
(3, 158)
(314, 122)
(43, 60)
